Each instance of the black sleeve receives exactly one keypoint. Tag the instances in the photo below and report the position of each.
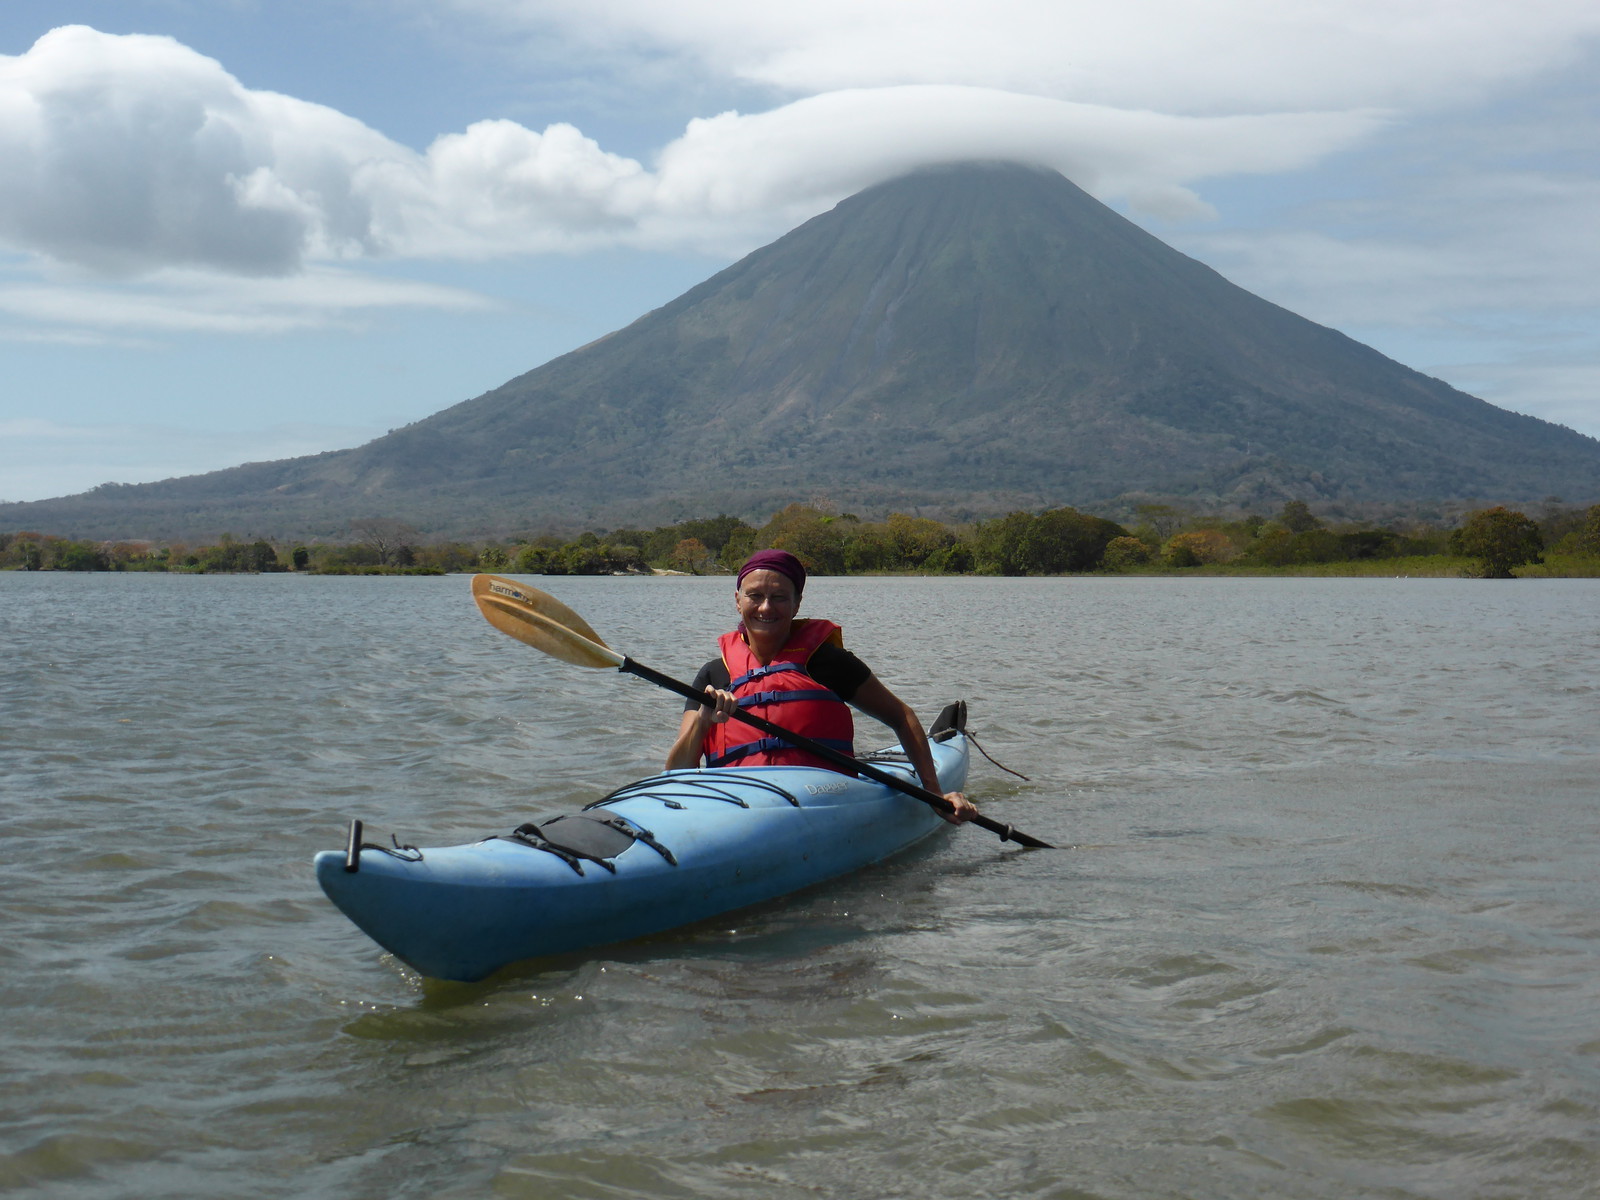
(713, 674)
(838, 670)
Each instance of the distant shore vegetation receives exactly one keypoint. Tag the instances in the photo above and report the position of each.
(1164, 539)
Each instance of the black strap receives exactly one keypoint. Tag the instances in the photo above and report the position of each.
(580, 837)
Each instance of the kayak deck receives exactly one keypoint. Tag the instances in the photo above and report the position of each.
(662, 852)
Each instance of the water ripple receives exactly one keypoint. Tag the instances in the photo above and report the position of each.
(1326, 927)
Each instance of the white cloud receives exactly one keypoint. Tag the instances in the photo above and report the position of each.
(500, 188)
(186, 300)
(47, 458)
(1175, 56)
(150, 191)
(127, 155)
(825, 147)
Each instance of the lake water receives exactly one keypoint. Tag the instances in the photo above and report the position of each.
(1326, 922)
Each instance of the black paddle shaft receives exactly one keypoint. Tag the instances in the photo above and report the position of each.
(1006, 833)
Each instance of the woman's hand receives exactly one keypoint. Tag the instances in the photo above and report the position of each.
(962, 809)
(727, 706)
(685, 751)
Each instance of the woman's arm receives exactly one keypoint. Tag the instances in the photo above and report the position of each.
(692, 729)
(874, 699)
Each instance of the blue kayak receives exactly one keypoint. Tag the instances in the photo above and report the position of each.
(663, 852)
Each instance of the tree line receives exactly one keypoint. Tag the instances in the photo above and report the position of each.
(1160, 538)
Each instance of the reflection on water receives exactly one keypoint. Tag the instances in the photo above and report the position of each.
(1328, 926)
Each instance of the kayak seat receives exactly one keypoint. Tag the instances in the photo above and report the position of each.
(581, 837)
(948, 723)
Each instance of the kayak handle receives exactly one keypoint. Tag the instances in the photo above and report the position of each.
(352, 847)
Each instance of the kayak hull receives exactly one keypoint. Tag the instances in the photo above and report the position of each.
(716, 840)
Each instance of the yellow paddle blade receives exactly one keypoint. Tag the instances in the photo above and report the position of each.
(541, 621)
(532, 599)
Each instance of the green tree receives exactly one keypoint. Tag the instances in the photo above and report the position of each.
(913, 540)
(532, 559)
(1125, 553)
(812, 536)
(998, 544)
(741, 543)
(713, 532)
(954, 559)
(260, 556)
(81, 556)
(1198, 547)
(596, 558)
(1280, 548)
(867, 548)
(1064, 539)
(1179, 553)
(578, 558)
(1500, 540)
(1368, 543)
(1055, 541)
(1297, 517)
(1589, 535)
(221, 557)
(447, 556)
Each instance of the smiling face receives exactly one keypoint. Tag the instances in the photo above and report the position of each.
(767, 603)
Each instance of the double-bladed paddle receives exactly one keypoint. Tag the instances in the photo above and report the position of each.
(543, 622)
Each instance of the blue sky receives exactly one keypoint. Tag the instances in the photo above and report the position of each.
(235, 230)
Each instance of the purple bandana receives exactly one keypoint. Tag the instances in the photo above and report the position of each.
(780, 561)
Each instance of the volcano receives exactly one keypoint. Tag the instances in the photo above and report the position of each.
(962, 341)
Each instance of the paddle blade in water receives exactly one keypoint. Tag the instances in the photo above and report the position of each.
(536, 618)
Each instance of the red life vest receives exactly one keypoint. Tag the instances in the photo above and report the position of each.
(783, 693)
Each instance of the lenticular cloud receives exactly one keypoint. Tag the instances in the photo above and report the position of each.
(128, 155)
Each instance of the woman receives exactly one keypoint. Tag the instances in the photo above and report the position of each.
(803, 677)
